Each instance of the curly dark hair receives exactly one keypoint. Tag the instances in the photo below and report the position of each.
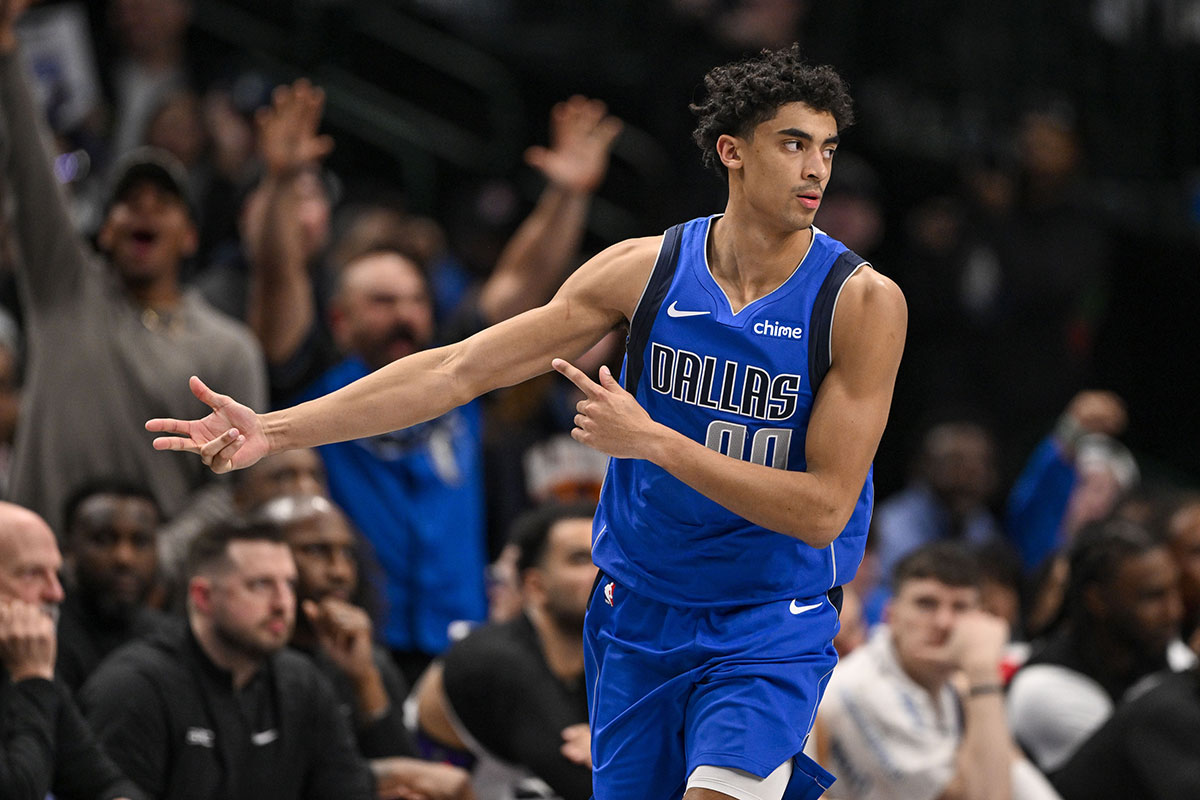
(742, 95)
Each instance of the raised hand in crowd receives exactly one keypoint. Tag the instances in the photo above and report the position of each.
(287, 129)
(1091, 411)
(581, 138)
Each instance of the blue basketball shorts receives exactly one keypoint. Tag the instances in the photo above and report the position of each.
(673, 688)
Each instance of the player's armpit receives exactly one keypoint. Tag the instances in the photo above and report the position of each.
(852, 403)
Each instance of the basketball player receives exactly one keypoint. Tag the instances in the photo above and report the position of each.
(759, 371)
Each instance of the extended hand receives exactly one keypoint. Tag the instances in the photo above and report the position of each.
(581, 138)
(410, 779)
(287, 131)
(231, 437)
(609, 419)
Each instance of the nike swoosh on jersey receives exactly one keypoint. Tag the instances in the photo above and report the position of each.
(795, 609)
(672, 311)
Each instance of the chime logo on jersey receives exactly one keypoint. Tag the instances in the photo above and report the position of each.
(779, 330)
(744, 389)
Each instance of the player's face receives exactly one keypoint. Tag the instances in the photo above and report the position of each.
(922, 616)
(568, 571)
(1143, 605)
(253, 604)
(786, 162)
(384, 310)
(29, 564)
(146, 234)
(113, 547)
(326, 562)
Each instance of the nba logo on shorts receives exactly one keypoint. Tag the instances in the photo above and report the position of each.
(608, 593)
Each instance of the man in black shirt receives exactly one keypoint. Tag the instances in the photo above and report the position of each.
(219, 708)
(514, 691)
(44, 743)
(112, 563)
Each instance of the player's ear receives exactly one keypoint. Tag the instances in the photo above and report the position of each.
(728, 151)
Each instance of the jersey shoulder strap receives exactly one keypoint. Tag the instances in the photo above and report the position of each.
(820, 343)
(647, 309)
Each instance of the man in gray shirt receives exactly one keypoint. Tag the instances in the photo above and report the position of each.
(112, 340)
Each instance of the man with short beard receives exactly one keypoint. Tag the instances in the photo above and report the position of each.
(111, 540)
(220, 709)
(45, 746)
(513, 692)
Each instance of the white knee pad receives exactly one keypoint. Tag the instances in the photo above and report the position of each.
(741, 784)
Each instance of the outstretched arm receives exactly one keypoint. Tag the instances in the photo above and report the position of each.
(847, 423)
(597, 297)
(537, 257)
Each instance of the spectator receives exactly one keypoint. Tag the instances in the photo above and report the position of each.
(45, 746)
(416, 495)
(1183, 537)
(1121, 612)
(107, 341)
(892, 723)
(151, 62)
(1073, 477)
(513, 691)
(948, 498)
(334, 632)
(296, 472)
(219, 707)
(112, 564)
(1147, 749)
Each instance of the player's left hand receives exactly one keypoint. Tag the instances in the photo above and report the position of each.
(608, 419)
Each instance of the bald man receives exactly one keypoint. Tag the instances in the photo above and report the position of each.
(45, 746)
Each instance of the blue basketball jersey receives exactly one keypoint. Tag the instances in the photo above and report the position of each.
(743, 384)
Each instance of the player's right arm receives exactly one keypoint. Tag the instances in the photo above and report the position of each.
(425, 385)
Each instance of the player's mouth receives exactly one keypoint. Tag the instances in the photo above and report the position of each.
(143, 239)
(809, 199)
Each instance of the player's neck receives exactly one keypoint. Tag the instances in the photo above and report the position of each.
(750, 261)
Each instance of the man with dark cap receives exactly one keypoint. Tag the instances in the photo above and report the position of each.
(109, 343)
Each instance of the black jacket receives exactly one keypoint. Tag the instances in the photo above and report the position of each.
(173, 722)
(46, 746)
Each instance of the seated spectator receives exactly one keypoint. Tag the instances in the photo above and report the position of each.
(1147, 749)
(295, 472)
(45, 746)
(108, 338)
(893, 724)
(947, 499)
(332, 630)
(219, 707)
(112, 566)
(1121, 612)
(1183, 538)
(513, 692)
(1075, 476)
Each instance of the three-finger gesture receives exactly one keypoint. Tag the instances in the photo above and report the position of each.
(287, 130)
(609, 419)
(581, 138)
(231, 437)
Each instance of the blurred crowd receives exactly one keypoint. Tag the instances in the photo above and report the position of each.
(402, 616)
